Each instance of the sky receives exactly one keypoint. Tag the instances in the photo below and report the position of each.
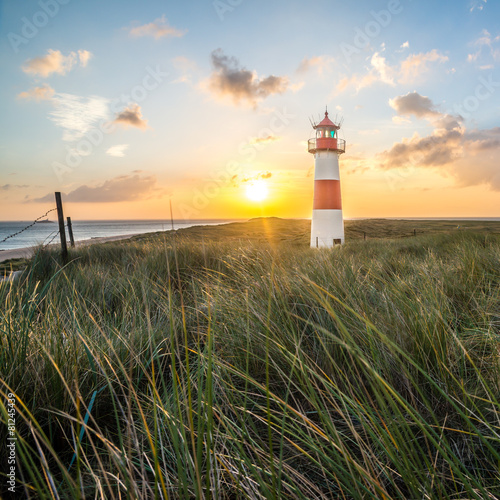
(126, 106)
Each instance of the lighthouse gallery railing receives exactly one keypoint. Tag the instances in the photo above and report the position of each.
(312, 147)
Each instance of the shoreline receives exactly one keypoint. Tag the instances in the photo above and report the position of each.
(26, 253)
(294, 231)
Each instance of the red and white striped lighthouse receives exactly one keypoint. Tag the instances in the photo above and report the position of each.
(327, 228)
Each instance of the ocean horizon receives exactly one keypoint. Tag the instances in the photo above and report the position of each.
(42, 233)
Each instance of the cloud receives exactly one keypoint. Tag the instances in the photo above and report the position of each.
(379, 72)
(417, 64)
(405, 45)
(450, 148)
(55, 62)
(84, 57)
(477, 5)
(159, 28)
(385, 72)
(118, 151)
(264, 140)
(318, 63)
(434, 150)
(413, 104)
(409, 70)
(118, 189)
(77, 115)
(237, 181)
(131, 116)
(8, 187)
(228, 79)
(43, 93)
(485, 40)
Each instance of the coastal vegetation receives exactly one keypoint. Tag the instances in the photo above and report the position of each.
(236, 362)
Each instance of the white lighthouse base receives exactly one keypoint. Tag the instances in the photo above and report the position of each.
(327, 228)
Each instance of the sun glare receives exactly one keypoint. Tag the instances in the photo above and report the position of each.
(257, 191)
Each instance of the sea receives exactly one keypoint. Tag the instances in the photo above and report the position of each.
(44, 232)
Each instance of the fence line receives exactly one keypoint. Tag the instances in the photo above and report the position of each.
(52, 239)
(31, 225)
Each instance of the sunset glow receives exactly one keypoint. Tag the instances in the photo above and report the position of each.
(124, 106)
(257, 191)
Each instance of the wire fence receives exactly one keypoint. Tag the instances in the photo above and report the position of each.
(365, 235)
(30, 225)
(51, 239)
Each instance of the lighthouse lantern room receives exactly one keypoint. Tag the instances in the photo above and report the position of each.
(327, 227)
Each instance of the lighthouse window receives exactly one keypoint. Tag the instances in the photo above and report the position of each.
(320, 133)
(332, 133)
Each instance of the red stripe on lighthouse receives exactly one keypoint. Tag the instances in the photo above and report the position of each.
(327, 195)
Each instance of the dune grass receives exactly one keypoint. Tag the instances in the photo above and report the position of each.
(173, 368)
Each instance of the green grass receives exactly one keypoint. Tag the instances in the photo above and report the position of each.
(238, 363)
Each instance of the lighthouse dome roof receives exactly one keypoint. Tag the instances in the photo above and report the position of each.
(326, 122)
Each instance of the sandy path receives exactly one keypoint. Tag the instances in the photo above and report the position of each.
(19, 253)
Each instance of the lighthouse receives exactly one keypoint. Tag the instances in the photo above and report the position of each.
(327, 228)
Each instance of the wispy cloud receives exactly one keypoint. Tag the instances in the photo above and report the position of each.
(477, 5)
(77, 115)
(43, 93)
(131, 116)
(229, 79)
(236, 180)
(409, 70)
(159, 28)
(415, 65)
(379, 72)
(320, 64)
(84, 56)
(56, 62)
(117, 151)
(485, 40)
(8, 187)
(122, 188)
(264, 140)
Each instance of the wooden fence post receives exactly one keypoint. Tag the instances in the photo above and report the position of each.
(70, 232)
(62, 231)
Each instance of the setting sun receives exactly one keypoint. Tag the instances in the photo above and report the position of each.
(257, 191)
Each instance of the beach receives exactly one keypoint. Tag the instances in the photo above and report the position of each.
(27, 253)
